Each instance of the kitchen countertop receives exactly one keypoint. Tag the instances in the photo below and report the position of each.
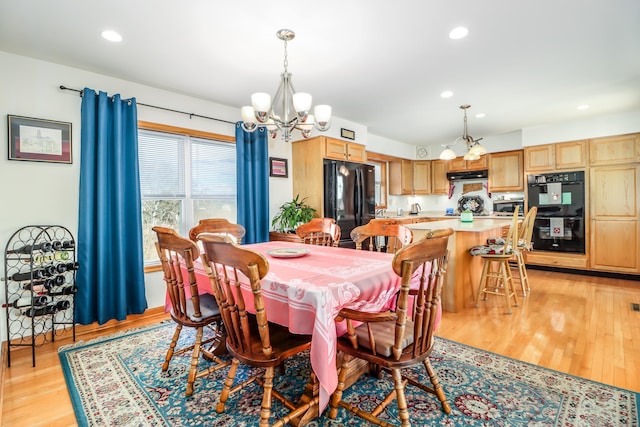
(485, 224)
(440, 215)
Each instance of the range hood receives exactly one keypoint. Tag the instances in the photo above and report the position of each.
(457, 176)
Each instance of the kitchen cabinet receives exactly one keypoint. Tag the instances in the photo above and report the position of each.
(614, 231)
(561, 156)
(342, 150)
(506, 171)
(439, 181)
(401, 177)
(460, 164)
(421, 176)
(611, 150)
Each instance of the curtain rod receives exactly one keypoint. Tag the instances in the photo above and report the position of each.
(191, 115)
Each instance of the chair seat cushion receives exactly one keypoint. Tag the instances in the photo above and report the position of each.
(208, 307)
(384, 334)
(490, 250)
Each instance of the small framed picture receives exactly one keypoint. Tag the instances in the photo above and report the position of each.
(278, 167)
(39, 140)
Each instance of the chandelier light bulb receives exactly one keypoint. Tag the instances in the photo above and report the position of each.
(478, 149)
(447, 154)
(301, 102)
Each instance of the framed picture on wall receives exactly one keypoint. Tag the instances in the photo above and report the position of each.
(278, 167)
(39, 140)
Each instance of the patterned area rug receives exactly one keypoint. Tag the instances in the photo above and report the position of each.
(117, 381)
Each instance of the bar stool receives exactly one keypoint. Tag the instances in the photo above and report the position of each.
(500, 280)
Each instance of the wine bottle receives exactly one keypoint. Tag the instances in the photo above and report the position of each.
(61, 268)
(40, 273)
(41, 311)
(62, 304)
(72, 266)
(27, 249)
(36, 284)
(36, 301)
(65, 290)
(56, 245)
(68, 244)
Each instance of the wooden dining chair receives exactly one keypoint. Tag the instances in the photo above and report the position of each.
(218, 226)
(381, 235)
(189, 309)
(320, 231)
(251, 338)
(524, 244)
(498, 281)
(402, 338)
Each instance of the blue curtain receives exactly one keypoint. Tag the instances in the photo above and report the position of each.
(252, 159)
(111, 275)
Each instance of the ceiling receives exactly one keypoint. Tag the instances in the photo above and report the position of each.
(378, 63)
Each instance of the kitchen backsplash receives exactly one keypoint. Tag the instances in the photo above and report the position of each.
(442, 202)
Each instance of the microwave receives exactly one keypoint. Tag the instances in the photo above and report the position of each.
(507, 207)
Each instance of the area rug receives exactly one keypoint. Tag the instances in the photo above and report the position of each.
(117, 381)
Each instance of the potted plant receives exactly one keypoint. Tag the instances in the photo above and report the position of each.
(291, 214)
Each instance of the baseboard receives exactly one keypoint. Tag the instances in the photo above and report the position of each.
(591, 273)
(93, 328)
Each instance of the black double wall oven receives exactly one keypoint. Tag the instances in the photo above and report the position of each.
(559, 224)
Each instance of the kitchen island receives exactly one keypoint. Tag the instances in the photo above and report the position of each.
(464, 270)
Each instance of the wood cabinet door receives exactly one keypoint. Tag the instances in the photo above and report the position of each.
(571, 155)
(505, 171)
(456, 165)
(539, 158)
(615, 238)
(421, 177)
(481, 163)
(614, 150)
(356, 153)
(439, 181)
(335, 149)
(407, 177)
(395, 177)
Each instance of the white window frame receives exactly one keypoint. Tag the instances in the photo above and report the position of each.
(187, 201)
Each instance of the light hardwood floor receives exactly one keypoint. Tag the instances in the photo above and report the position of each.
(572, 323)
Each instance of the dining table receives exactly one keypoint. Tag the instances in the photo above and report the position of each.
(308, 285)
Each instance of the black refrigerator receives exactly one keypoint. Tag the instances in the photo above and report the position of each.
(349, 195)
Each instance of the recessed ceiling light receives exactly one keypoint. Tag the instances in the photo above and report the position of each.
(458, 33)
(446, 94)
(479, 115)
(583, 107)
(112, 36)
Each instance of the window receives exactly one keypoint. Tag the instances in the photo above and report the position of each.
(184, 178)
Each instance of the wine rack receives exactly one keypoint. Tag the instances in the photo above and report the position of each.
(40, 286)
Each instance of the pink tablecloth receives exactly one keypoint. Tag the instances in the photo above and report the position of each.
(305, 294)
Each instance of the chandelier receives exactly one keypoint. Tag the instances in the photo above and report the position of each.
(289, 109)
(474, 149)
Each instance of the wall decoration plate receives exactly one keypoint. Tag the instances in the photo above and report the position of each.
(473, 204)
(288, 252)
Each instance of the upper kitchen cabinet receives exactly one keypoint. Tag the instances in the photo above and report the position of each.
(401, 177)
(460, 164)
(439, 181)
(612, 150)
(421, 178)
(560, 156)
(506, 171)
(342, 150)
